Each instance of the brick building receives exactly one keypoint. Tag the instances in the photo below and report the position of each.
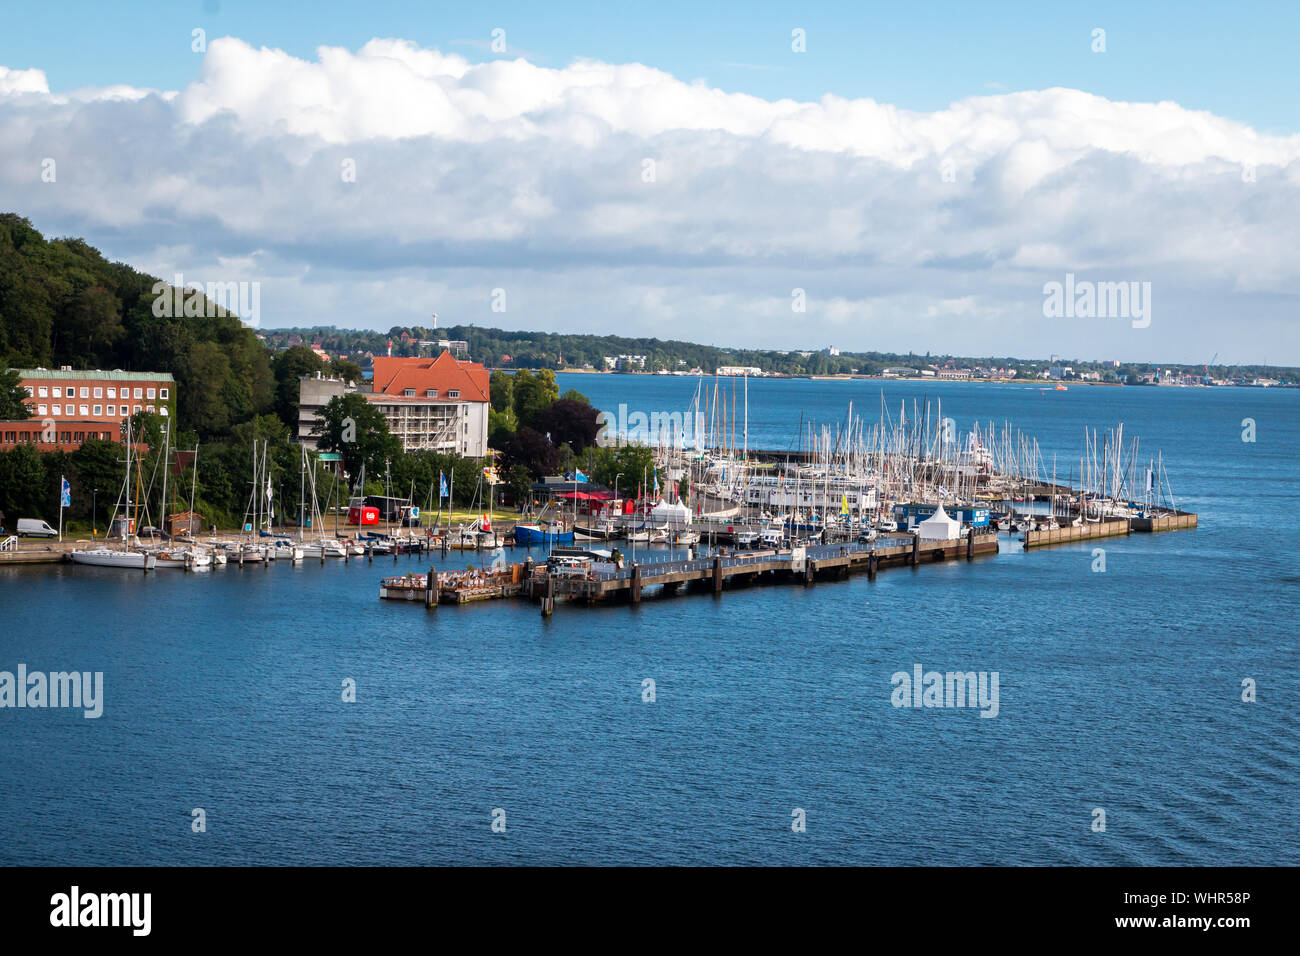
(69, 407)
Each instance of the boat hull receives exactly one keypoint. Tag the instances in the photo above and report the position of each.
(132, 560)
(527, 536)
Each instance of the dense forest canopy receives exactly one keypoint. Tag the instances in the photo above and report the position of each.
(62, 303)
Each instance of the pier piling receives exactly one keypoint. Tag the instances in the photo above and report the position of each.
(430, 589)
(548, 597)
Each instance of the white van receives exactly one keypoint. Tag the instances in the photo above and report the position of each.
(35, 528)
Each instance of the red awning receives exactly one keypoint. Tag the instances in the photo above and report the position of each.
(588, 495)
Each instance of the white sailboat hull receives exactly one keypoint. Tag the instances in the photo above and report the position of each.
(328, 549)
(107, 558)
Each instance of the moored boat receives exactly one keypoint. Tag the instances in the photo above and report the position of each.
(108, 558)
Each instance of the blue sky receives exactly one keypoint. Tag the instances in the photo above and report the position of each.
(921, 171)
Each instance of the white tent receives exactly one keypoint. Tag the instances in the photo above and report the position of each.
(939, 527)
(670, 515)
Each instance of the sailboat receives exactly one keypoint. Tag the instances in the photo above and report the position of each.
(322, 546)
(126, 557)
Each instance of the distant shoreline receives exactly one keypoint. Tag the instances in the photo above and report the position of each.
(1033, 382)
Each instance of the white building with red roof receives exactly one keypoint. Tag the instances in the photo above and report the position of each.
(434, 404)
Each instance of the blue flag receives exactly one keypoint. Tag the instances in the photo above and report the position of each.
(65, 501)
(578, 475)
(442, 485)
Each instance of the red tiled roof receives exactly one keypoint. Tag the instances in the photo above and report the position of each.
(444, 373)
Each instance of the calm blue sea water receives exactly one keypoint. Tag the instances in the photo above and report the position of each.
(1119, 690)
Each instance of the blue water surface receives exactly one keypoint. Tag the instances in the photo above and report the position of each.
(1119, 690)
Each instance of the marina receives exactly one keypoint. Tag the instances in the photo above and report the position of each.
(487, 677)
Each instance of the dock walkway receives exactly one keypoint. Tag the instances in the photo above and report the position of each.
(805, 564)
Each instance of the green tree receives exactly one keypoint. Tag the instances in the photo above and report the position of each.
(518, 483)
(96, 478)
(345, 369)
(535, 392)
(358, 430)
(13, 404)
(501, 387)
(289, 367)
(22, 486)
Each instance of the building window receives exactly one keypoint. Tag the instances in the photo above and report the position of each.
(454, 393)
(99, 410)
(112, 393)
(162, 393)
(28, 390)
(40, 409)
(112, 410)
(137, 395)
(99, 392)
(85, 392)
(85, 409)
(149, 409)
(57, 392)
(41, 392)
(58, 410)
(163, 411)
(153, 393)
(78, 436)
(408, 392)
(137, 408)
(431, 393)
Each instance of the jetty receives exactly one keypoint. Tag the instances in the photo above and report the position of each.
(713, 573)
(588, 581)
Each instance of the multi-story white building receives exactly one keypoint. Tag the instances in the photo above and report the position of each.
(438, 404)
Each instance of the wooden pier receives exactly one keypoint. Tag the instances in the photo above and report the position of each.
(1173, 521)
(1091, 530)
(1087, 531)
(455, 587)
(723, 571)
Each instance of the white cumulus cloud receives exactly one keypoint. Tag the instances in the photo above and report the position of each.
(611, 197)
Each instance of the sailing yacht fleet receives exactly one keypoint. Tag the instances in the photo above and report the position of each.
(859, 479)
(849, 480)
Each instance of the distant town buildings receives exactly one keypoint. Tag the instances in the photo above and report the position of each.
(624, 363)
(751, 370)
(69, 406)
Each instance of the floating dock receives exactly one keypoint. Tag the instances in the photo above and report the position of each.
(455, 587)
(1091, 530)
(796, 565)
